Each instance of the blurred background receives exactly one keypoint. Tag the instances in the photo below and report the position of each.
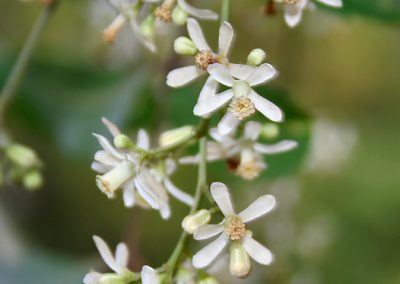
(339, 192)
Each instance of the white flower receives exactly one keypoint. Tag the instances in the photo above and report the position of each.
(242, 99)
(197, 13)
(233, 230)
(127, 13)
(145, 184)
(294, 9)
(244, 155)
(119, 264)
(166, 12)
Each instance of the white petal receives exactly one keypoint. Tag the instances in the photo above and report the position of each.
(333, 3)
(189, 160)
(110, 126)
(228, 124)
(212, 103)
(106, 158)
(146, 193)
(209, 89)
(107, 146)
(182, 76)
(149, 275)
(206, 255)
(241, 71)
(221, 74)
(257, 251)
(122, 255)
(225, 40)
(221, 195)
(177, 193)
(129, 193)
(267, 108)
(92, 278)
(252, 130)
(258, 208)
(165, 210)
(196, 34)
(198, 13)
(105, 253)
(146, 41)
(293, 15)
(143, 140)
(207, 231)
(100, 168)
(279, 147)
(226, 140)
(170, 166)
(262, 74)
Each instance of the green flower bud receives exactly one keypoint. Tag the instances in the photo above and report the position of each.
(112, 278)
(208, 280)
(193, 221)
(256, 57)
(270, 130)
(185, 46)
(33, 180)
(179, 16)
(22, 156)
(175, 135)
(147, 27)
(121, 141)
(239, 260)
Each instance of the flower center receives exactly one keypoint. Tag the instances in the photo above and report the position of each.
(203, 59)
(250, 170)
(164, 13)
(241, 107)
(235, 228)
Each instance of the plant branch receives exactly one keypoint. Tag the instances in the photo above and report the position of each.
(225, 10)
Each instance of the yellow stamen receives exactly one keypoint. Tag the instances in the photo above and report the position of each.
(241, 107)
(235, 228)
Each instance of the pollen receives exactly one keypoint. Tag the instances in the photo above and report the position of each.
(241, 107)
(164, 13)
(203, 59)
(235, 228)
(250, 170)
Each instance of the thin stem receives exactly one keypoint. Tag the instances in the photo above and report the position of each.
(225, 10)
(201, 185)
(18, 70)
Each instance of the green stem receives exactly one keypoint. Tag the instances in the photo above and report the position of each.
(225, 10)
(18, 70)
(200, 187)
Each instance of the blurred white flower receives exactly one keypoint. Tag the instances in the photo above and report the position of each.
(242, 99)
(232, 230)
(197, 13)
(244, 155)
(294, 9)
(119, 264)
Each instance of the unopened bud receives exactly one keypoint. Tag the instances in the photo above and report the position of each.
(239, 261)
(185, 46)
(208, 280)
(270, 130)
(175, 135)
(22, 156)
(112, 180)
(33, 180)
(179, 16)
(147, 27)
(256, 57)
(193, 221)
(121, 141)
(111, 278)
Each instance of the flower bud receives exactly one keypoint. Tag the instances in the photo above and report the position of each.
(239, 261)
(208, 280)
(109, 182)
(270, 130)
(185, 46)
(193, 221)
(33, 180)
(179, 16)
(175, 135)
(111, 278)
(256, 57)
(147, 27)
(121, 141)
(22, 156)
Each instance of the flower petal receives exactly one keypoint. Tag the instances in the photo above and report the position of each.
(241, 71)
(279, 147)
(226, 140)
(226, 35)
(129, 193)
(221, 74)
(212, 103)
(293, 15)
(221, 195)
(228, 124)
(100, 168)
(196, 34)
(177, 193)
(122, 255)
(182, 76)
(198, 13)
(146, 193)
(206, 255)
(257, 251)
(108, 147)
(267, 108)
(92, 277)
(209, 89)
(258, 208)
(252, 130)
(105, 253)
(143, 139)
(106, 158)
(149, 275)
(333, 3)
(110, 126)
(207, 231)
(146, 41)
(262, 74)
